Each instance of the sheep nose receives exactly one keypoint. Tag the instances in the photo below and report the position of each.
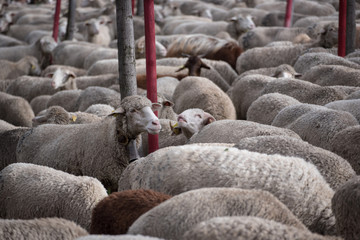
(155, 122)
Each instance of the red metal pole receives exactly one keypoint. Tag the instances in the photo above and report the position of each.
(149, 19)
(342, 29)
(133, 7)
(288, 15)
(56, 20)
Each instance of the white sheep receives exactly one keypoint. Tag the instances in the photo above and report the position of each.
(9, 138)
(117, 237)
(32, 191)
(100, 149)
(15, 110)
(332, 167)
(296, 183)
(96, 95)
(39, 50)
(39, 103)
(309, 60)
(172, 218)
(345, 144)
(351, 106)
(198, 92)
(66, 99)
(315, 124)
(40, 229)
(30, 87)
(100, 110)
(265, 108)
(28, 65)
(248, 228)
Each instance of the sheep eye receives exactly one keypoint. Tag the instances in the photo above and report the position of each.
(198, 115)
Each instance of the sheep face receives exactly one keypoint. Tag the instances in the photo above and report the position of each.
(191, 121)
(243, 23)
(47, 44)
(61, 77)
(54, 115)
(139, 115)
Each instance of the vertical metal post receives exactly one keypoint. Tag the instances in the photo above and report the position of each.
(350, 26)
(133, 7)
(149, 19)
(342, 29)
(56, 20)
(289, 13)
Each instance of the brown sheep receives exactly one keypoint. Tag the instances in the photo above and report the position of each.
(210, 47)
(114, 214)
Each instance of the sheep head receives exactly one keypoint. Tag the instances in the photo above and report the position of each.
(136, 115)
(194, 64)
(192, 120)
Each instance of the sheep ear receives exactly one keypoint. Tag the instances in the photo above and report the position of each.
(297, 75)
(71, 74)
(117, 111)
(181, 68)
(208, 118)
(49, 75)
(168, 103)
(233, 19)
(203, 65)
(39, 119)
(156, 106)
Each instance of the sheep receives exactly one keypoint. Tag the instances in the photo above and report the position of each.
(244, 91)
(302, 7)
(261, 36)
(304, 91)
(283, 70)
(330, 75)
(63, 79)
(310, 60)
(104, 145)
(332, 167)
(99, 54)
(351, 106)
(15, 110)
(114, 214)
(248, 228)
(20, 31)
(39, 103)
(345, 207)
(63, 53)
(66, 99)
(265, 57)
(117, 237)
(49, 70)
(40, 229)
(276, 19)
(315, 124)
(174, 133)
(198, 92)
(104, 66)
(4, 84)
(223, 68)
(58, 115)
(166, 86)
(30, 87)
(100, 110)
(209, 47)
(39, 50)
(345, 144)
(95, 95)
(6, 41)
(140, 48)
(4, 126)
(32, 191)
(174, 21)
(102, 80)
(230, 167)
(9, 138)
(202, 204)
(96, 30)
(265, 108)
(231, 131)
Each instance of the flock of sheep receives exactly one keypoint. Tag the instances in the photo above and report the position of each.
(259, 125)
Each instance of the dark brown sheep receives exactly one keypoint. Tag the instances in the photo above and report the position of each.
(114, 214)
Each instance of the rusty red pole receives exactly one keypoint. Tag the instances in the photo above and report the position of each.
(288, 14)
(133, 7)
(56, 20)
(342, 29)
(149, 19)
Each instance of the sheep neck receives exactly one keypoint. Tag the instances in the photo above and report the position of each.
(124, 136)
